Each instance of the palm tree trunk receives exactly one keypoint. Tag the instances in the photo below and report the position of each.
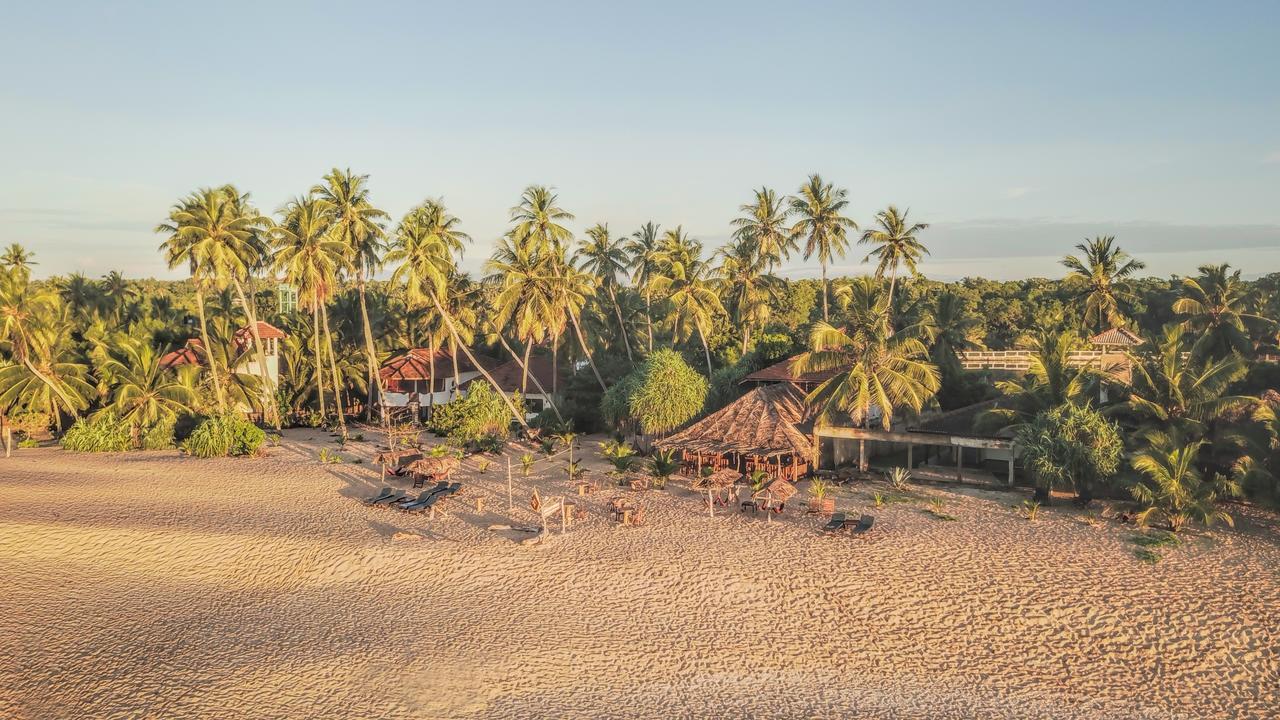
(71, 408)
(524, 366)
(826, 317)
(333, 368)
(706, 350)
(431, 374)
(622, 326)
(315, 337)
(555, 363)
(648, 312)
(888, 307)
(453, 331)
(268, 387)
(371, 354)
(577, 329)
(524, 382)
(453, 353)
(208, 353)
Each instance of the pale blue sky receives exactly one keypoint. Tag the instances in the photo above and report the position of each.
(1015, 128)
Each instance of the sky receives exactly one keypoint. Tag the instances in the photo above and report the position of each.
(1016, 130)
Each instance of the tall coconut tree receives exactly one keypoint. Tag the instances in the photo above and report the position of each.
(538, 219)
(311, 259)
(16, 258)
(46, 374)
(79, 293)
(1217, 308)
(896, 244)
(604, 258)
(143, 391)
(357, 224)
(1173, 487)
(764, 222)
(526, 300)
(182, 247)
(953, 329)
(642, 249)
(819, 208)
(1101, 274)
(1051, 380)
(878, 371)
(425, 264)
(745, 285)
(684, 277)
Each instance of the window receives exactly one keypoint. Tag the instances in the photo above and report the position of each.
(286, 299)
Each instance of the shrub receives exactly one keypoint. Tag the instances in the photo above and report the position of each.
(101, 433)
(225, 436)
(1070, 445)
(478, 413)
(663, 465)
(659, 396)
(898, 478)
(159, 436)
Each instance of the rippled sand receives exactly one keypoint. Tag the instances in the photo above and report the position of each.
(154, 586)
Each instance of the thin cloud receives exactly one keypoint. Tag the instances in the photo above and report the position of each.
(1016, 192)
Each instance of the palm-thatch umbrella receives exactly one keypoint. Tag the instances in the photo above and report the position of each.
(392, 458)
(435, 467)
(715, 483)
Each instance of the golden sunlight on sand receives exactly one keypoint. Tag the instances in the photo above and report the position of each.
(155, 586)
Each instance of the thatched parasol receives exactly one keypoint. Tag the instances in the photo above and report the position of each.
(435, 466)
(393, 457)
(780, 491)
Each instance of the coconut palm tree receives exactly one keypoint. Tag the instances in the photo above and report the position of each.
(79, 293)
(896, 245)
(1101, 274)
(357, 224)
(143, 391)
(311, 260)
(819, 207)
(642, 249)
(953, 329)
(876, 370)
(1050, 381)
(17, 259)
(745, 285)
(425, 265)
(605, 258)
(684, 278)
(37, 331)
(526, 300)
(115, 294)
(537, 220)
(1218, 307)
(765, 224)
(1174, 488)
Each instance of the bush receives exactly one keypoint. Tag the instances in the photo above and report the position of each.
(1070, 446)
(478, 413)
(224, 436)
(101, 433)
(657, 397)
(159, 436)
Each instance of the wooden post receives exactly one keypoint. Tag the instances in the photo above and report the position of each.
(564, 511)
(959, 462)
(910, 447)
(1013, 455)
(510, 506)
(711, 503)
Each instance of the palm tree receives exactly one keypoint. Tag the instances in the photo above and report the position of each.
(37, 332)
(526, 299)
(765, 224)
(1102, 275)
(694, 302)
(425, 266)
(1173, 486)
(896, 245)
(143, 391)
(115, 294)
(745, 285)
(1050, 381)
(356, 223)
(953, 329)
(879, 370)
(311, 259)
(537, 219)
(643, 249)
(819, 207)
(18, 259)
(79, 293)
(605, 258)
(185, 247)
(1218, 307)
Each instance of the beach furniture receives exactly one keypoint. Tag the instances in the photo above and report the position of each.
(835, 524)
(386, 494)
(422, 498)
(865, 523)
(432, 468)
(440, 495)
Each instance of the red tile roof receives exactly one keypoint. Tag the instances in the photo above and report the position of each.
(417, 363)
(189, 354)
(509, 376)
(781, 372)
(1116, 336)
(266, 331)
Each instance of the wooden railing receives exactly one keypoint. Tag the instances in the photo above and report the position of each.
(1021, 359)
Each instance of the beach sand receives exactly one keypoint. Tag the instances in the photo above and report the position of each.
(150, 585)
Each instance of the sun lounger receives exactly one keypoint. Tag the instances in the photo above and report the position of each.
(835, 524)
(864, 525)
(384, 496)
(422, 498)
(438, 496)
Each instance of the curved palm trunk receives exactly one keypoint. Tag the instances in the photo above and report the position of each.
(457, 377)
(315, 338)
(577, 329)
(333, 369)
(208, 354)
(71, 408)
(706, 350)
(524, 382)
(524, 366)
(453, 331)
(648, 312)
(826, 316)
(268, 387)
(371, 355)
(431, 377)
(622, 326)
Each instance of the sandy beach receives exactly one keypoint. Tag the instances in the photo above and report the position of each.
(150, 585)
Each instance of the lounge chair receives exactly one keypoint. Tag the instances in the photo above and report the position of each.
(386, 494)
(442, 493)
(865, 523)
(422, 498)
(835, 524)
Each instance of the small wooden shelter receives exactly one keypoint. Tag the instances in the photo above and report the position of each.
(767, 429)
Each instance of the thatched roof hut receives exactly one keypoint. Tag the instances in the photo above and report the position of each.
(435, 466)
(769, 421)
(723, 478)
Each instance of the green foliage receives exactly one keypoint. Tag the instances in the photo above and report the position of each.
(526, 464)
(329, 457)
(661, 395)
(102, 433)
(478, 413)
(662, 465)
(619, 454)
(160, 436)
(1030, 509)
(491, 444)
(898, 478)
(28, 443)
(936, 510)
(225, 436)
(1070, 445)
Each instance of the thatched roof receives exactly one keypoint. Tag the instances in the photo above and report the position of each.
(435, 465)
(767, 421)
(723, 478)
(783, 371)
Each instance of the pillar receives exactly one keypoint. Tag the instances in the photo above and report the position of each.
(959, 462)
(910, 447)
(1013, 455)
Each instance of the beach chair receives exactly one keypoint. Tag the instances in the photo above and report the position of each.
(386, 494)
(835, 524)
(422, 498)
(439, 495)
(865, 523)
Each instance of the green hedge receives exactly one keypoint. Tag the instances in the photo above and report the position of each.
(100, 433)
(224, 436)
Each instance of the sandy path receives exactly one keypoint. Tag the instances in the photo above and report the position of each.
(153, 586)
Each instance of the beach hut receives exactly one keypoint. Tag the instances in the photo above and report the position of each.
(433, 468)
(767, 429)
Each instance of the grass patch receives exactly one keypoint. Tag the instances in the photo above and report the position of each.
(1146, 555)
(1148, 543)
(935, 509)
